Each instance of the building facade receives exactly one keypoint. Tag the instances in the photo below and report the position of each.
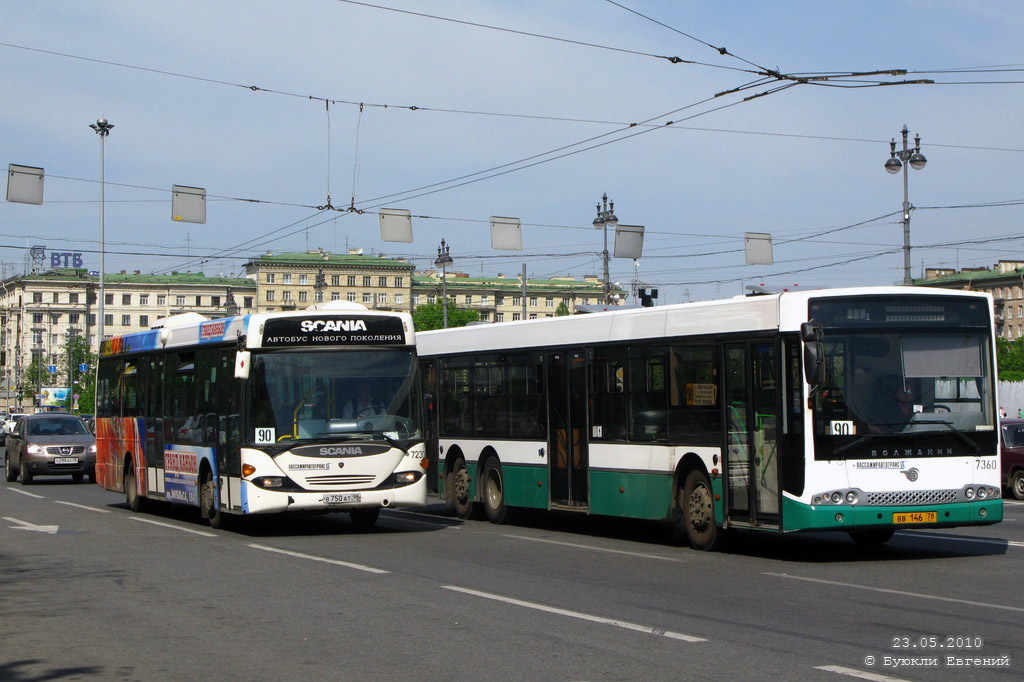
(1004, 280)
(39, 312)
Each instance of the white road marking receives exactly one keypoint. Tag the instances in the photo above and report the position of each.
(576, 614)
(596, 549)
(82, 506)
(25, 492)
(902, 593)
(851, 672)
(299, 555)
(25, 525)
(172, 526)
(983, 541)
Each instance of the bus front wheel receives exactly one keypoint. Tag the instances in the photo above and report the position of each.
(136, 502)
(457, 489)
(494, 492)
(208, 501)
(699, 512)
(363, 518)
(872, 538)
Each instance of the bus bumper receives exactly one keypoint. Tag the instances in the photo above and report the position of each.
(798, 516)
(256, 500)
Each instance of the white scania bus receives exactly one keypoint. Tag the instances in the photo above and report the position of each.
(857, 410)
(318, 409)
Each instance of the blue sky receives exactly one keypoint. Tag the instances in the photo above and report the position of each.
(795, 163)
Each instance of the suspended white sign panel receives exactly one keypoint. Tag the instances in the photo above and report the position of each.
(24, 184)
(629, 241)
(759, 248)
(396, 225)
(506, 233)
(188, 204)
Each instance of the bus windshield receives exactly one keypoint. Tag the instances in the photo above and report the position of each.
(890, 393)
(332, 395)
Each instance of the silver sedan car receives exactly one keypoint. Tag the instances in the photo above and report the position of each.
(50, 444)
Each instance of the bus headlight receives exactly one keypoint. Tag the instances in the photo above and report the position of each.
(851, 497)
(836, 498)
(407, 477)
(270, 482)
(969, 493)
(982, 493)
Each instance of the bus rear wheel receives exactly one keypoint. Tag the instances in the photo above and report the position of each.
(494, 492)
(457, 489)
(136, 502)
(699, 512)
(872, 538)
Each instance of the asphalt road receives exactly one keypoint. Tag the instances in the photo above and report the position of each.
(89, 590)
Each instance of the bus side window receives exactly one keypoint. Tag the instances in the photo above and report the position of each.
(647, 394)
(608, 389)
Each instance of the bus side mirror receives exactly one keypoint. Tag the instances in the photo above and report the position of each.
(243, 358)
(814, 353)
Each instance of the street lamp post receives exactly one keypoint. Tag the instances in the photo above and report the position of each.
(443, 261)
(102, 128)
(898, 160)
(605, 219)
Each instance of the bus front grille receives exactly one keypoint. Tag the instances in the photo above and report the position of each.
(341, 479)
(912, 497)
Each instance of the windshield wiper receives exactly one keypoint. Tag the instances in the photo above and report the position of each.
(949, 425)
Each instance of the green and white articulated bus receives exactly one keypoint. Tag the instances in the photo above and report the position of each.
(861, 410)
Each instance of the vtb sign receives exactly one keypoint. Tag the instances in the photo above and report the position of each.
(65, 259)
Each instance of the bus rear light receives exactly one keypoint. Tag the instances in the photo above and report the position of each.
(248, 470)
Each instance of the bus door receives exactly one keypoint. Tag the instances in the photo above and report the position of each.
(751, 453)
(566, 383)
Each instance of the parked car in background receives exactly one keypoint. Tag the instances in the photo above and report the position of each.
(1013, 457)
(50, 444)
(10, 422)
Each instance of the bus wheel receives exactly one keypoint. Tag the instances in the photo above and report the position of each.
(209, 509)
(1016, 485)
(457, 489)
(699, 512)
(872, 538)
(494, 492)
(363, 518)
(136, 502)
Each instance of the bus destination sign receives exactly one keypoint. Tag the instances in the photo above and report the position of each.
(333, 330)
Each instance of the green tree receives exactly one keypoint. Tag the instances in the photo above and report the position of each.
(431, 316)
(32, 377)
(77, 353)
(562, 309)
(1010, 358)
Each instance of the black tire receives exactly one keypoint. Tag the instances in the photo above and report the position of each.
(698, 512)
(456, 490)
(9, 471)
(24, 473)
(136, 502)
(77, 478)
(1016, 484)
(364, 518)
(92, 477)
(493, 481)
(209, 509)
(872, 538)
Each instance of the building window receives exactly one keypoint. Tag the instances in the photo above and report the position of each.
(484, 299)
(143, 299)
(143, 320)
(499, 317)
(126, 299)
(399, 299)
(271, 277)
(533, 316)
(351, 296)
(549, 302)
(367, 297)
(108, 299)
(351, 279)
(302, 296)
(286, 296)
(72, 318)
(37, 297)
(366, 280)
(382, 281)
(73, 298)
(318, 297)
(286, 278)
(54, 318)
(382, 299)
(335, 295)
(415, 299)
(180, 300)
(399, 281)
(92, 319)
(303, 279)
(108, 320)
(469, 299)
(517, 301)
(247, 301)
(431, 298)
(37, 354)
(37, 338)
(335, 280)
(56, 297)
(161, 300)
(270, 295)
(499, 300)
(37, 318)
(516, 317)
(485, 316)
(533, 301)
(126, 320)
(199, 301)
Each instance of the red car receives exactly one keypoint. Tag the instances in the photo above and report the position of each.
(1013, 457)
